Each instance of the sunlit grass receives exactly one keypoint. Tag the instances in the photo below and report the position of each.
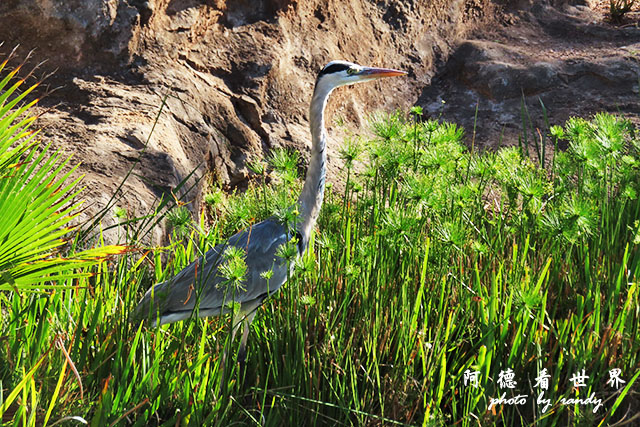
(433, 262)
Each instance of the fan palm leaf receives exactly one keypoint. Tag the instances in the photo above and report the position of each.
(38, 201)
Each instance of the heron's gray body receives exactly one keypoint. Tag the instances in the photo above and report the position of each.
(200, 284)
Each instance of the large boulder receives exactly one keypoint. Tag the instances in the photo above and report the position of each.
(570, 59)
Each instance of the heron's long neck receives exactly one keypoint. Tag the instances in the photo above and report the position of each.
(310, 200)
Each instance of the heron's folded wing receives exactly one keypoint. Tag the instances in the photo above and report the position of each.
(200, 284)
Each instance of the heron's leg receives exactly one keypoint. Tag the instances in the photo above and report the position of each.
(242, 352)
(226, 352)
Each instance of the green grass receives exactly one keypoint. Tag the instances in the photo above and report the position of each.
(433, 261)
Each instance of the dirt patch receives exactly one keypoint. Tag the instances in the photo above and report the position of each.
(573, 61)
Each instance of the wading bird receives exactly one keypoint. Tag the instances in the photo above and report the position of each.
(199, 289)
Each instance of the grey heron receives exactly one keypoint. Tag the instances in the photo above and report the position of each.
(199, 289)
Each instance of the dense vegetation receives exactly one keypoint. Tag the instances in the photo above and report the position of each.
(435, 265)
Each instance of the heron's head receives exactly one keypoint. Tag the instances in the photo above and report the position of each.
(340, 73)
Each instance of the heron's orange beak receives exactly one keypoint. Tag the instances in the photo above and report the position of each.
(381, 72)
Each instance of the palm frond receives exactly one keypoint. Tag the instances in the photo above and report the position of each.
(38, 201)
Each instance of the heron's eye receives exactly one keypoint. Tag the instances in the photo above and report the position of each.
(351, 71)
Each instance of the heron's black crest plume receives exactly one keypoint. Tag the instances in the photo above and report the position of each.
(333, 67)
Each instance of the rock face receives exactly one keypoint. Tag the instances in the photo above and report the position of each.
(164, 88)
(217, 81)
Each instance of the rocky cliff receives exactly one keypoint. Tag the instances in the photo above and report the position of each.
(217, 81)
